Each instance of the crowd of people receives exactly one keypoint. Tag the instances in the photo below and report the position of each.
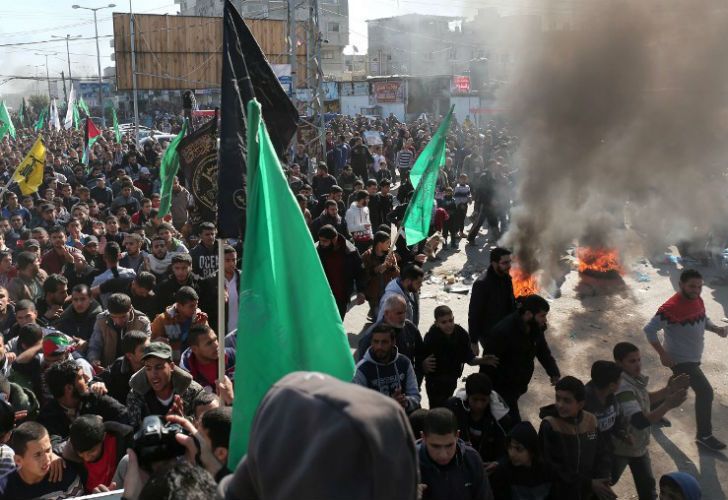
(109, 339)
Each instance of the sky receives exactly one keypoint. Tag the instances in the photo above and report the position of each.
(37, 20)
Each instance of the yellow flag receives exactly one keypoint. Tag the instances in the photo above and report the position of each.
(29, 174)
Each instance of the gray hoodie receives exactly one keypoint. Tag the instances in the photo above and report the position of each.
(317, 438)
(386, 378)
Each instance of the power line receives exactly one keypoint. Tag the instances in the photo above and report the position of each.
(54, 40)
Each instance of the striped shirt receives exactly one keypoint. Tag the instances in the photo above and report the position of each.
(405, 158)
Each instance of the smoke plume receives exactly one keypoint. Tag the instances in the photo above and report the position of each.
(624, 113)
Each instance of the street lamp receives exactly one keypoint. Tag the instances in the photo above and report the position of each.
(68, 52)
(48, 76)
(98, 56)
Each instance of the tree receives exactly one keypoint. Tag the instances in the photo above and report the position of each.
(38, 102)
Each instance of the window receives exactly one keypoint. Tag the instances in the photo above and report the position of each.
(327, 54)
(334, 27)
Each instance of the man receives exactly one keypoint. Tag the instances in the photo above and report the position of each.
(117, 376)
(112, 230)
(112, 255)
(71, 398)
(683, 320)
(200, 358)
(323, 181)
(134, 256)
(407, 337)
(140, 289)
(55, 293)
(637, 410)
(105, 346)
(341, 154)
(48, 218)
(33, 455)
(144, 214)
(301, 158)
(102, 194)
(28, 284)
(361, 158)
(492, 298)
(330, 216)
(79, 318)
(204, 255)
(484, 197)
(335, 195)
(380, 204)
(160, 388)
(60, 254)
(180, 276)
(358, 222)
(408, 285)
(12, 207)
(449, 469)
(159, 261)
(182, 201)
(125, 200)
(174, 324)
(208, 295)
(343, 267)
(385, 370)
(516, 340)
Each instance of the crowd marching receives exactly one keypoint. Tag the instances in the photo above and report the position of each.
(108, 338)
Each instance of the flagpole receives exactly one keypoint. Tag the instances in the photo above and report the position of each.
(221, 322)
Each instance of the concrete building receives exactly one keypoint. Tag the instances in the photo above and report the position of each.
(334, 16)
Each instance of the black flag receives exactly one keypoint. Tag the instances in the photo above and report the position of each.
(198, 160)
(246, 73)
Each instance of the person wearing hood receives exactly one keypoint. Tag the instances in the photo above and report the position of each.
(385, 370)
(378, 462)
(449, 468)
(492, 298)
(79, 318)
(517, 340)
(358, 221)
(572, 446)
(522, 473)
(679, 486)
(330, 216)
(160, 387)
(342, 264)
(174, 324)
(482, 417)
(200, 358)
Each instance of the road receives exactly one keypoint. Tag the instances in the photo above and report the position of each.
(584, 325)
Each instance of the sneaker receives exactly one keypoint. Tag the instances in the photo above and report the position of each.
(711, 443)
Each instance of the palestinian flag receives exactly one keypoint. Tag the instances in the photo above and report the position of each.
(90, 137)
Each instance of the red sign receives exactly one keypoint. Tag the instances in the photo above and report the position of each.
(461, 84)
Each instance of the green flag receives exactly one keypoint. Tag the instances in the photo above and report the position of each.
(21, 113)
(283, 292)
(6, 124)
(117, 132)
(76, 116)
(41, 119)
(168, 169)
(83, 106)
(424, 174)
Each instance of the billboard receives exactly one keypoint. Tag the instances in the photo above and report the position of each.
(389, 91)
(460, 85)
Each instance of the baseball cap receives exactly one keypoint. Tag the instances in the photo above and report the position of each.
(30, 244)
(90, 240)
(158, 350)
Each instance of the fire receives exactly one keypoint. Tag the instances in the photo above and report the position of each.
(523, 283)
(601, 260)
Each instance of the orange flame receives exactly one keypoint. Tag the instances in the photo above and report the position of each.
(523, 283)
(600, 260)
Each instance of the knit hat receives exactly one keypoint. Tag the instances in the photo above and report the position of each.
(57, 343)
(525, 434)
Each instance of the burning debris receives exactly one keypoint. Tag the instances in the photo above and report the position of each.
(523, 283)
(599, 262)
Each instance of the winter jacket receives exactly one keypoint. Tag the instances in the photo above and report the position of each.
(575, 452)
(412, 300)
(53, 416)
(189, 363)
(19, 288)
(322, 184)
(141, 394)
(633, 398)
(351, 272)
(358, 222)
(492, 300)
(208, 300)
(462, 479)
(386, 378)
(168, 326)
(204, 260)
(516, 350)
(376, 281)
(167, 289)
(495, 425)
(379, 207)
(451, 351)
(78, 325)
(510, 482)
(124, 435)
(105, 342)
(408, 340)
(116, 378)
(339, 224)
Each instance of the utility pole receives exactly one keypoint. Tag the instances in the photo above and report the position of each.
(317, 99)
(134, 76)
(65, 95)
(48, 76)
(292, 45)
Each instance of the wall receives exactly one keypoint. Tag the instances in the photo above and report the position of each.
(351, 105)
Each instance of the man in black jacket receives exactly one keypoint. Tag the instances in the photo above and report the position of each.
(181, 275)
(331, 216)
(343, 267)
(517, 340)
(72, 397)
(78, 319)
(116, 377)
(492, 298)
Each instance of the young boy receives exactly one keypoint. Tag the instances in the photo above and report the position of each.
(448, 346)
(449, 469)
(482, 416)
(600, 390)
(634, 415)
(521, 473)
(463, 197)
(33, 455)
(99, 447)
(571, 445)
